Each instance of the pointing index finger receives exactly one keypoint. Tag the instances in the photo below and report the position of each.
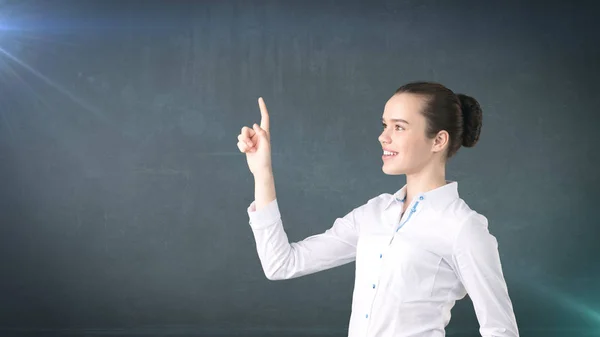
(264, 114)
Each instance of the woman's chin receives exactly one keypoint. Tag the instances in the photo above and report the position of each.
(392, 170)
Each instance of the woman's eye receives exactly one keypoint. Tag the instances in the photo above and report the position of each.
(397, 127)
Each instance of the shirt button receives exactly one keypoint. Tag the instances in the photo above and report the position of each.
(373, 286)
(367, 316)
(380, 256)
(421, 198)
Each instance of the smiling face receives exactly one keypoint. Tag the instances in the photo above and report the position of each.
(404, 136)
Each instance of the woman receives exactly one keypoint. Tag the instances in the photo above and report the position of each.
(417, 251)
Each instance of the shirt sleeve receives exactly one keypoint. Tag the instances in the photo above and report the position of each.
(480, 271)
(281, 259)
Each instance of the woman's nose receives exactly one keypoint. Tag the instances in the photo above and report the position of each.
(383, 138)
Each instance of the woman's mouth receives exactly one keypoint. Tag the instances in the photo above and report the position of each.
(388, 154)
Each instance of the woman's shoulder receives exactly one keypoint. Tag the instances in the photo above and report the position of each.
(460, 211)
(375, 203)
(467, 223)
(381, 200)
(458, 215)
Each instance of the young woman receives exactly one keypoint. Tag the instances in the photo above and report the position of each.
(417, 251)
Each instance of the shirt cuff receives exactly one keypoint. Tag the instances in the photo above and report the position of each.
(264, 217)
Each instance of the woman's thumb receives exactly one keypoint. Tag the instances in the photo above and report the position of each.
(259, 131)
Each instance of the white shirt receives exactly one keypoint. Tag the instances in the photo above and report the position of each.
(410, 269)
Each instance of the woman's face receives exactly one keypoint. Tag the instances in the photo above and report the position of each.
(403, 135)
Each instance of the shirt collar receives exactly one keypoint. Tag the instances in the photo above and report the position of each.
(439, 197)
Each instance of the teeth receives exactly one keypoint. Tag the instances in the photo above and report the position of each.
(388, 153)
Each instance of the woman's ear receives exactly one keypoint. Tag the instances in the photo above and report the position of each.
(440, 142)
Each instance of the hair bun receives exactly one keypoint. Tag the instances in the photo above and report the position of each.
(472, 120)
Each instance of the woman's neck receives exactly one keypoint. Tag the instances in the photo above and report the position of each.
(424, 181)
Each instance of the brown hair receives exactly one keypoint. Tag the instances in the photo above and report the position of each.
(460, 115)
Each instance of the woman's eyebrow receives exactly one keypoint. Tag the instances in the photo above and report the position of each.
(397, 120)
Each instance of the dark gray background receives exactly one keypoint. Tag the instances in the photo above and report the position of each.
(123, 196)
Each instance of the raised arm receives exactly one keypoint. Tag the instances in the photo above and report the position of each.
(281, 259)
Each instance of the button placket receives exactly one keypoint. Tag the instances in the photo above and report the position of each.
(374, 286)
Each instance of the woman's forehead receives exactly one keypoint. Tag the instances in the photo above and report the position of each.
(405, 107)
